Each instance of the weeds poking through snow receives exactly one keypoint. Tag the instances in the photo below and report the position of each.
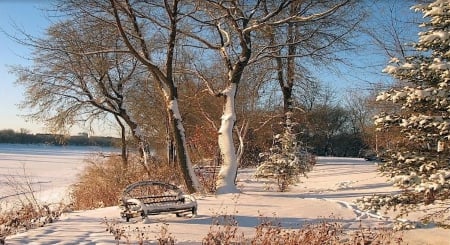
(138, 235)
(269, 232)
(25, 211)
(224, 230)
(165, 237)
(116, 230)
(27, 217)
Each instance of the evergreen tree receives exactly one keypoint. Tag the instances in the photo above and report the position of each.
(419, 162)
(287, 159)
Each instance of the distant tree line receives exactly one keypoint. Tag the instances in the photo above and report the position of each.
(326, 127)
(23, 137)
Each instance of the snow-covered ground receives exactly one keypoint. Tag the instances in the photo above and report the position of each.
(46, 170)
(329, 191)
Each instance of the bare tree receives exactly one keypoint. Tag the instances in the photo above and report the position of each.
(161, 19)
(392, 28)
(298, 46)
(360, 112)
(70, 84)
(229, 29)
(145, 35)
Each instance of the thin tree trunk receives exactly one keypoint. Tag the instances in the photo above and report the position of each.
(170, 147)
(123, 143)
(141, 143)
(241, 133)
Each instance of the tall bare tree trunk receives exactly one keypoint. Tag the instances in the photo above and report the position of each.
(226, 178)
(164, 77)
(191, 180)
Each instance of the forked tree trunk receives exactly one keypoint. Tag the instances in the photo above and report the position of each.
(226, 177)
(138, 46)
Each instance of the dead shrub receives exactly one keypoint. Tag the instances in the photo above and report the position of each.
(377, 236)
(207, 176)
(27, 217)
(138, 235)
(225, 231)
(328, 231)
(101, 183)
(324, 232)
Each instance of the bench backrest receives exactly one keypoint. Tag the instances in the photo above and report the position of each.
(152, 191)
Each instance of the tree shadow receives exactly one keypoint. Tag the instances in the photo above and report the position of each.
(246, 221)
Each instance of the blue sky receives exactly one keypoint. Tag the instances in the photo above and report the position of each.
(28, 15)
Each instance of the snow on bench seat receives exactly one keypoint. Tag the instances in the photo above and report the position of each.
(146, 197)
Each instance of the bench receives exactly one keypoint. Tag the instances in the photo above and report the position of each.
(145, 198)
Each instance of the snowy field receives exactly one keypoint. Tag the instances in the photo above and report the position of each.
(329, 191)
(48, 170)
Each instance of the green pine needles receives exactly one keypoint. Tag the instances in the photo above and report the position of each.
(287, 159)
(418, 161)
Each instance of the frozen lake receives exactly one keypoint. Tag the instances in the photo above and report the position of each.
(48, 170)
(38, 149)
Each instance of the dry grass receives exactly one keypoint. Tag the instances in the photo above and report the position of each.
(28, 217)
(328, 231)
(207, 176)
(103, 180)
(138, 235)
(268, 232)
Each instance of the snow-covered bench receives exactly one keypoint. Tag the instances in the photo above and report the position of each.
(151, 197)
